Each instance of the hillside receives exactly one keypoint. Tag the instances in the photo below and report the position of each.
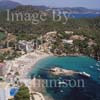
(22, 26)
(25, 29)
(7, 4)
(79, 10)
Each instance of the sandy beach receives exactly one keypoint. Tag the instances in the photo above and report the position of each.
(26, 62)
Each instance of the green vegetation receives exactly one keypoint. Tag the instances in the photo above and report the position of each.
(23, 94)
(88, 27)
(2, 57)
(1, 79)
(25, 36)
(9, 55)
(2, 35)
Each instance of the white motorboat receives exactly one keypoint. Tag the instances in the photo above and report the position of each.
(91, 67)
(85, 74)
(97, 65)
(98, 69)
(62, 83)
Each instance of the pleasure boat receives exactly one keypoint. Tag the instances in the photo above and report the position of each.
(91, 67)
(85, 74)
(98, 69)
(97, 65)
(62, 83)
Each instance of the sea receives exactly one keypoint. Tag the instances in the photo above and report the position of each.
(91, 89)
(83, 15)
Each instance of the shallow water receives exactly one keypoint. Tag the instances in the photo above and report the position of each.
(91, 91)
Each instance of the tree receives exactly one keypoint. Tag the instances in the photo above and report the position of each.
(23, 94)
(2, 57)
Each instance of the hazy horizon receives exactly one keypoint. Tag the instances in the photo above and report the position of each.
(91, 4)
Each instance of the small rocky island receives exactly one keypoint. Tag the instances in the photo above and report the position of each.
(60, 71)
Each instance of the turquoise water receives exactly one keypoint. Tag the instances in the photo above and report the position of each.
(91, 91)
(84, 15)
(80, 64)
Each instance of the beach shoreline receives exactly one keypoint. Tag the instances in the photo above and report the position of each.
(24, 64)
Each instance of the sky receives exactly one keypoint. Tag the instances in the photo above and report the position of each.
(63, 3)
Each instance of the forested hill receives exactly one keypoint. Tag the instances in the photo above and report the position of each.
(89, 25)
(7, 4)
